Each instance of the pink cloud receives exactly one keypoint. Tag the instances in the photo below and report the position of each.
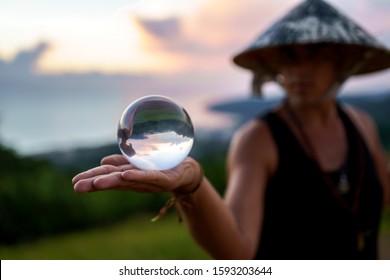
(207, 39)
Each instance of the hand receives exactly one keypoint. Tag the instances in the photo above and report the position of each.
(116, 173)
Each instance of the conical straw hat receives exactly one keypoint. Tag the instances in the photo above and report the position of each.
(315, 22)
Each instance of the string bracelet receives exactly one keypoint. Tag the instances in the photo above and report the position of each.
(172, 200)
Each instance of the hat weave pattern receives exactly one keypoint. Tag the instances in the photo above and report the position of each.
(316, 22)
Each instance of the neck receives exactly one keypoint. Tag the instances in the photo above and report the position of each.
(313, 114)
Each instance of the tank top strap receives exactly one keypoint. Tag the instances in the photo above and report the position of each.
(283, 134)
(285, 140)
(350, 127)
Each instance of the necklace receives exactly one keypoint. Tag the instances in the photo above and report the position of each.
(343, 185)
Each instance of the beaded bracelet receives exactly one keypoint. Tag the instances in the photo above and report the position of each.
(171, 201)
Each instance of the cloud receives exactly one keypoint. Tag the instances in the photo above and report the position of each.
(24, 62)
(54, 110)
(168, 37)
(21, 75)
(164, 28)
(216, 26)
(202, 43)
(207, 38)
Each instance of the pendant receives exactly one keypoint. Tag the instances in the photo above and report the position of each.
(343, 184)
(360, 241)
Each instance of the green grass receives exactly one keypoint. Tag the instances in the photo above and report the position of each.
(134, 239)
(385, 223)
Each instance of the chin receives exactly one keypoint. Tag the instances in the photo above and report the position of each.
(308, 100)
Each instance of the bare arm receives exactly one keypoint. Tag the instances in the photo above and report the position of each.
(209, 220)
(380, 161)
(227, 228)
(230, 228)
(369, 131)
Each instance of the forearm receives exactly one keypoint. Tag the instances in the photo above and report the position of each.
(212, 223)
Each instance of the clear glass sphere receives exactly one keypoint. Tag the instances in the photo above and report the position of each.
(154, 133)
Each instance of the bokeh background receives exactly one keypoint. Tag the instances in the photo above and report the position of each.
(69, 68)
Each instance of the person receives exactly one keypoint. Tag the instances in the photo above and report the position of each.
(306, 180)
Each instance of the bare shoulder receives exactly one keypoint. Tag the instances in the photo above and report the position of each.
(253, 143)
(368, 129)
(364, 123)
(361, 118)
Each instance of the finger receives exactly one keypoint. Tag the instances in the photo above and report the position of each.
(159, 179)
(85, 185)
(110, 181)
(114, 160)
(97, 171)
(114, 181)
(79, 177)
(140, 175)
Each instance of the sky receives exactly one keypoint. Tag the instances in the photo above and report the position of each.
(64, 62)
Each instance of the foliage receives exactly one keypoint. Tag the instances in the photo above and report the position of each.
(131, 239)
(37, 198)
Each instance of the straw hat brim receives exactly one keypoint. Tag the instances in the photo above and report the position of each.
(373, 59)
(311, 23)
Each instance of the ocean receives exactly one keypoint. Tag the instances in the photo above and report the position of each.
(33, 122)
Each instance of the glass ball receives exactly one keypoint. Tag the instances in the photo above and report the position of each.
(155, 133)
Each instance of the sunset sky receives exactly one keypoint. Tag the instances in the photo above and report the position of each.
(136, 36)
(181, 46)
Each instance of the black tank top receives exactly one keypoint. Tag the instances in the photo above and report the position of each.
(304, 218)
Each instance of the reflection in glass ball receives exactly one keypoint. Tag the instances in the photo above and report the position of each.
(154, 133)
